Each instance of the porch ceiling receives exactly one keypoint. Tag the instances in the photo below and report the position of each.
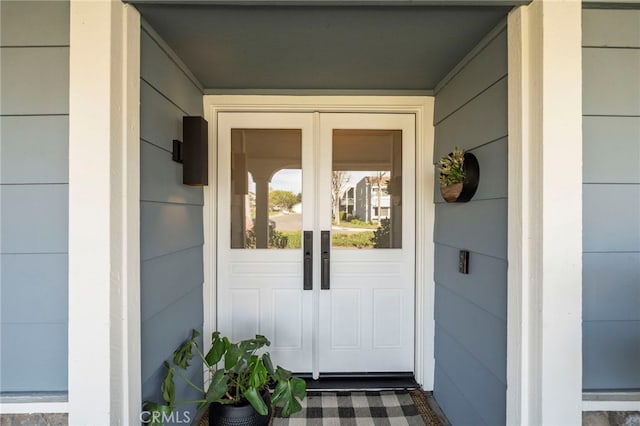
(370, 48)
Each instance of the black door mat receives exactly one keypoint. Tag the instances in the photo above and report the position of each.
(370, 382)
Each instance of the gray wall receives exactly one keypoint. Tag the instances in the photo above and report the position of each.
(611, 199)
(34, 134)
(171, 219)
(470, 310)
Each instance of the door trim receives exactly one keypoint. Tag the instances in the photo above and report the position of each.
(422, 107)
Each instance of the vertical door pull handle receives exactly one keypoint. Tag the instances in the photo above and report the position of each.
(325, 248)
(307, 251)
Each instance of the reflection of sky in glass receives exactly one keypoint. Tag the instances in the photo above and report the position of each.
(287, 180)
(291, 180)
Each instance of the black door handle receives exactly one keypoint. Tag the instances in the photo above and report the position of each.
(307, 251)
(325, 257)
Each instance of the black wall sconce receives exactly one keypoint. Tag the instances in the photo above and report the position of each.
(193, 151)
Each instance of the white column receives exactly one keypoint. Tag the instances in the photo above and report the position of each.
(261, 228)
(544, 348)
(104, 306)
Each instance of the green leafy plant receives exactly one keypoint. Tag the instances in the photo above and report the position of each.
(293, 239)
(381, 237)
(451, 168)
(239, 376)
(356, 239)
(277, 239)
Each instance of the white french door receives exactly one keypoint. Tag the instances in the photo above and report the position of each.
(316, 241)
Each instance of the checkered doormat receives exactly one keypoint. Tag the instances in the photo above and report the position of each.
(386, 408)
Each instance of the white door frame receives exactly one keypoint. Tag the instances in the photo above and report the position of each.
(422, 107)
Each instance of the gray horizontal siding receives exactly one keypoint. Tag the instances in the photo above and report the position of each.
(484, 118)
(610, 286)
(611, 199)
(34, 149)
(480, 333)
(161, 72)
(611, 350)
(611, 28)
(34, 218)
(168, 228)
(609, 89)
(485, 286)
(171, 234)
(470, 310)
(34, 288)
(161, 275)
(453, 402)
(489, 66)
(484, 391)
(611, 217)
(478, 226)
(34, 163)
(34, 357)
(34, 80)
(608, 155)
(160, 119)
(34, 23)
(168, 328)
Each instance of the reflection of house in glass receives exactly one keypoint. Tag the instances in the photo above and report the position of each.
(369, 200)
(347, 201)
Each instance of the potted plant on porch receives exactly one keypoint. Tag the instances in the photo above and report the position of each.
(238, 391)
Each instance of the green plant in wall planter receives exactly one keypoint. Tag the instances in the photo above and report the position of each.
(239, 389)
(459, 176)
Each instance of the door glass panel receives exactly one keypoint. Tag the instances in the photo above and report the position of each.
(266, 188)
(366, 186)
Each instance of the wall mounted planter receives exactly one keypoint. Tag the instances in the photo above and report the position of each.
(463, 191)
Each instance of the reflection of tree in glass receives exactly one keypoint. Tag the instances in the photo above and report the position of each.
(277, 240)
(279, 200)
(339, 181)
(381, 235)
(361, 240)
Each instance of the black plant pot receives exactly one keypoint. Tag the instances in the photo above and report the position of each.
(243, 415)
(471, 177)
(464, 191)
